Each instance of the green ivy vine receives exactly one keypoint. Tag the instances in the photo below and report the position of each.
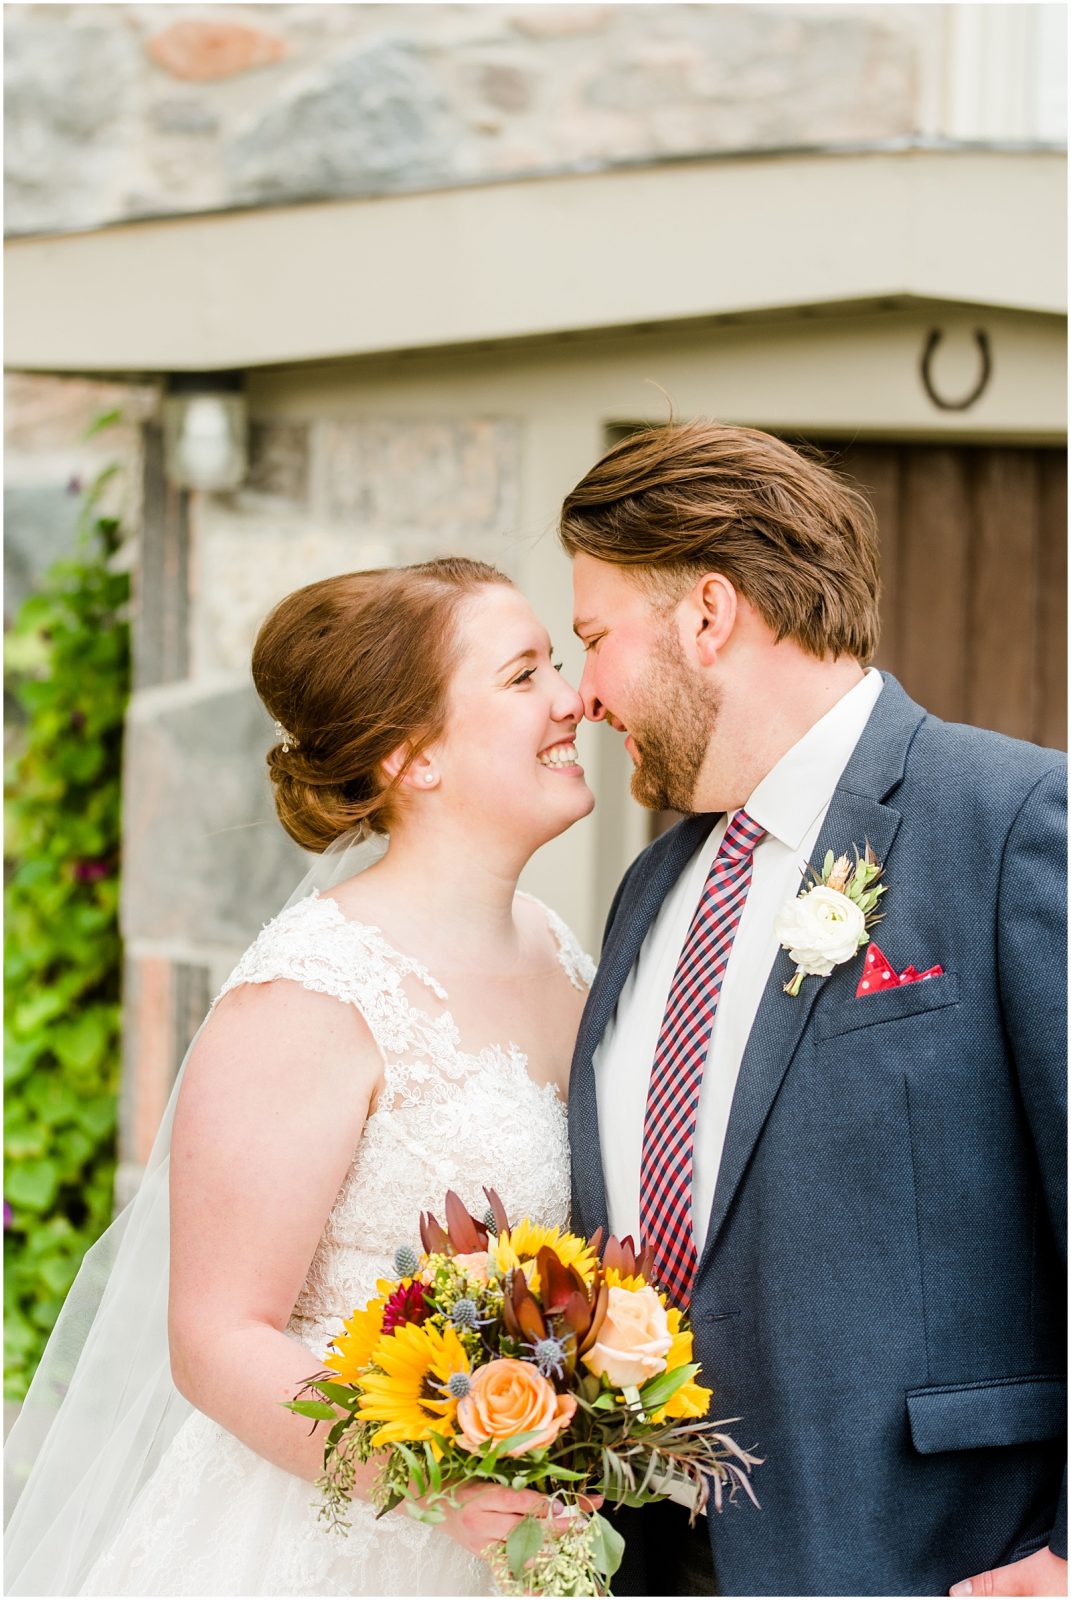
(67, 668)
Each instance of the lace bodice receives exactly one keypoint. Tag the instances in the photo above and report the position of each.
(445, 1118)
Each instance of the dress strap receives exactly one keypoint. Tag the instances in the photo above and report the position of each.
(315, 944)
(578, 966)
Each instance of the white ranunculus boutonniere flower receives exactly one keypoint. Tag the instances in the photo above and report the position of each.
(827, 922)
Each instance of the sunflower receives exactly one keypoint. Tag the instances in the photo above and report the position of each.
(616, 1279)
(408, 1393)
(351, 1351)
(528, 1238)
(691, 1399)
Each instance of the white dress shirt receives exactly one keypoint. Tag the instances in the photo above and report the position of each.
(791, 804)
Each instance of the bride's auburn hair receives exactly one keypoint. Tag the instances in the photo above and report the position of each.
(353, 667)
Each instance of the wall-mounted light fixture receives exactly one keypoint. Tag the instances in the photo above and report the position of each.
(205, 430)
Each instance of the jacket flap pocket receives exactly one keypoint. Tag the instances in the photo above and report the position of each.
(974, 1416)
(887, 1005)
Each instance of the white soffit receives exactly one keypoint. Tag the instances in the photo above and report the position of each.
(542, 256)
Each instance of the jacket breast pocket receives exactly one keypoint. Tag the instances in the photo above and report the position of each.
(888, 1005)
(977, 1416)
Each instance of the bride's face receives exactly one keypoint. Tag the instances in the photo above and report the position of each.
(507, 758)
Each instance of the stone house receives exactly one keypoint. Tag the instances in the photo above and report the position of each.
(443, 254)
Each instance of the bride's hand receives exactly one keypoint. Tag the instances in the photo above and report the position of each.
(486, 1514)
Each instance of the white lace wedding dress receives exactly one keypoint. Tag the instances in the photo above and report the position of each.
(217, 1519)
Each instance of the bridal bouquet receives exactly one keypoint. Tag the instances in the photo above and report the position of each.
(526, 1357)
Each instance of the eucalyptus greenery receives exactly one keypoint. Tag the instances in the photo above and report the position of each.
(67, 673)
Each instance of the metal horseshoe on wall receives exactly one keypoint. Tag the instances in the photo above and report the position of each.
(934, 338)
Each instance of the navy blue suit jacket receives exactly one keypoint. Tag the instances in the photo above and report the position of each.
(881, 1297)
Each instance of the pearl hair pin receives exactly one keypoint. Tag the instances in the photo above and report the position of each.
(286, 739)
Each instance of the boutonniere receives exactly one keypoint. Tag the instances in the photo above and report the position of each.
(827, 922)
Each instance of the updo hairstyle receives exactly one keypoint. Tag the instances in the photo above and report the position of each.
(353, 667)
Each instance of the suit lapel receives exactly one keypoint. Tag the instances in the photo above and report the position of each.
(856, 814)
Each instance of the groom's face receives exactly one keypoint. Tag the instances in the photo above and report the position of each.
(638, 678)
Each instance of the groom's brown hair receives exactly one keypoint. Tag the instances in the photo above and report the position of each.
(790, 535)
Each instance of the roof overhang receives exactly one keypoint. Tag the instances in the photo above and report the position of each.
(653, 244)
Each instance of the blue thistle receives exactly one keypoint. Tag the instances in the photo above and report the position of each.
(459, 1384)
(465, 1313)
(406, 1261)
(549, 1357)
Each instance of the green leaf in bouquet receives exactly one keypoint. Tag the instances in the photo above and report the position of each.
(416, 1470)
(395, 1498)
(521, 1441)
(617, 1479)
(607, 1546)
(656, 1391)
(590, 1388)
(333, 1438)
(524, 1542)
(435, 1474)
(339, 1394)
(426, 1514)
(311, 1408)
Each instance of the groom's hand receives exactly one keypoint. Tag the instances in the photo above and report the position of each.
(1041, 1573)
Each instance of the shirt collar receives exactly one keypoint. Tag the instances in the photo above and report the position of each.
(799, 788)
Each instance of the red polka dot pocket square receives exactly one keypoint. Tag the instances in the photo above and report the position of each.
(879, 973)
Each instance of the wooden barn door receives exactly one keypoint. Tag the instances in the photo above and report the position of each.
(974, 579)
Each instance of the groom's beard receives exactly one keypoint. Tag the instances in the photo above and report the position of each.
(672, 732)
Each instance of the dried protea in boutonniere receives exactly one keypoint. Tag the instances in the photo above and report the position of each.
(828, 922)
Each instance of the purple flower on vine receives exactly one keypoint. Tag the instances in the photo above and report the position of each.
(74, 484)
(8, 1216)
(91, 871)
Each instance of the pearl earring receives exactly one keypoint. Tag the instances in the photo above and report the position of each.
(429, 777)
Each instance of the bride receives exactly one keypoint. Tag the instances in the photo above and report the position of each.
(388, 1036)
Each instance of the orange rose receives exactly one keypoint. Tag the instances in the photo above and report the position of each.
(510, 1397)
(476, 1264)
(634, 1338)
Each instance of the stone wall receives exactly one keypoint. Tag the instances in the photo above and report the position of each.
(123, 111)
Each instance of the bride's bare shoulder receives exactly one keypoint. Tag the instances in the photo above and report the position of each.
(359, 899)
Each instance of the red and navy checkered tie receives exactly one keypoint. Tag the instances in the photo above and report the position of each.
(680, 1056)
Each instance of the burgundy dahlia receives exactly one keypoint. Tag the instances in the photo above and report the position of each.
(407, 1304)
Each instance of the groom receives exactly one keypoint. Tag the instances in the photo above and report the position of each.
(859, 1188)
